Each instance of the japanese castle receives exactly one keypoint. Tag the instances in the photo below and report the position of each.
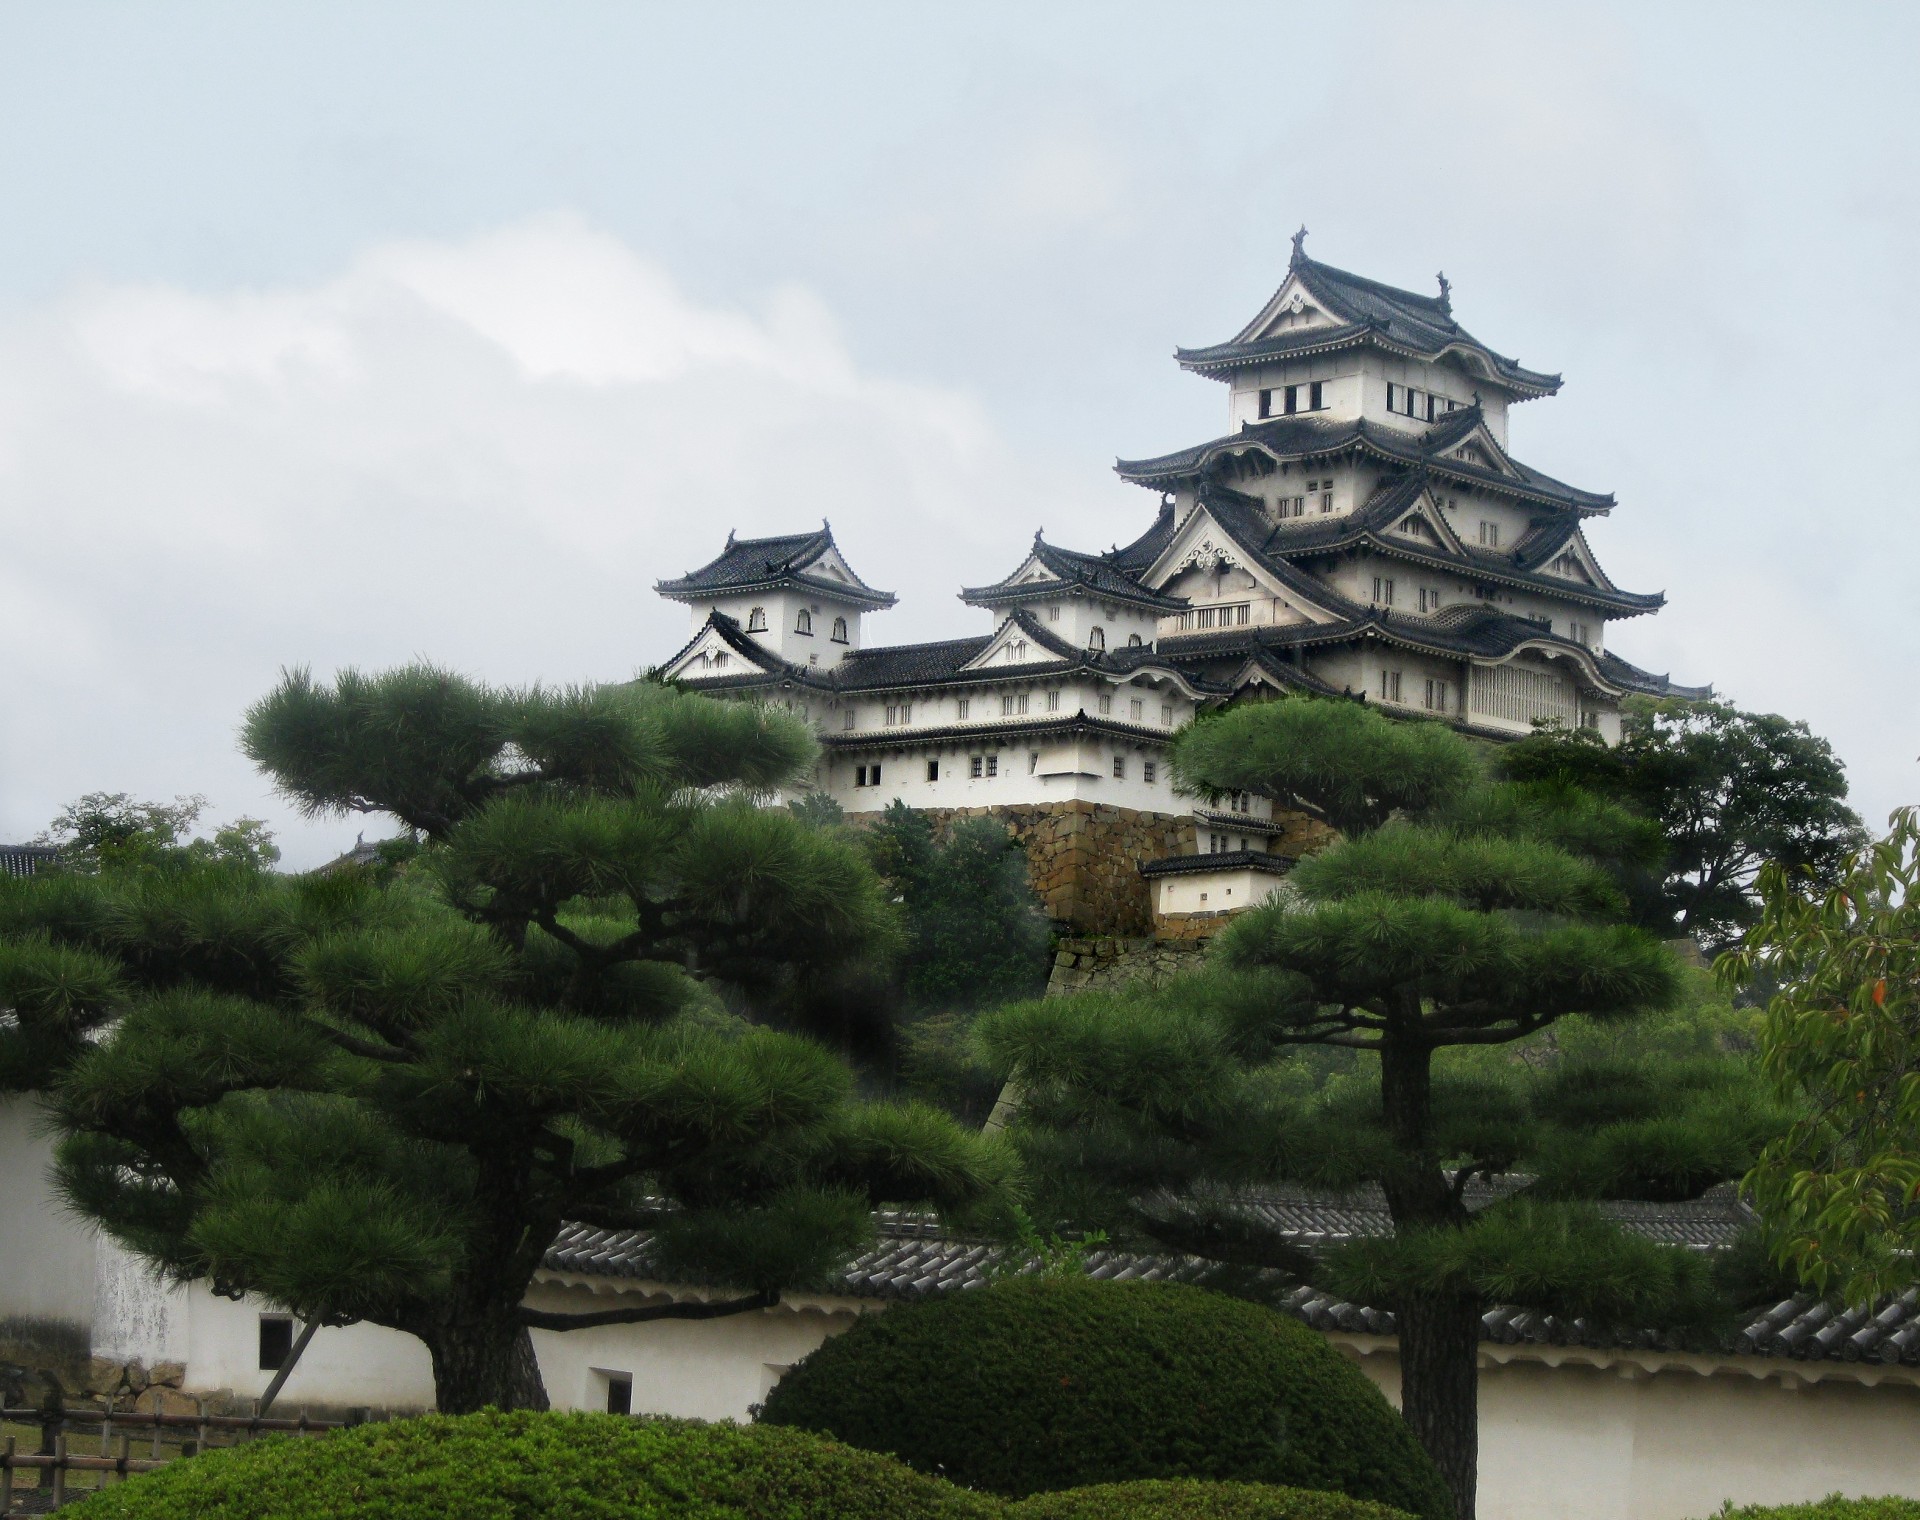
(1360, 530)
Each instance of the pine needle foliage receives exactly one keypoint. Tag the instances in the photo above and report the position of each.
(370, 1097)
(1324, 1045)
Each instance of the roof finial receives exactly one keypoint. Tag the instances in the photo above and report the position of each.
(1446, 291)
(1300, 244)
(730, 533)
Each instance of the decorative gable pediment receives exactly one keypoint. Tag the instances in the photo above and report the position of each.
(712, 654)
(1292, 308)
(831, 566)
(1574, 561)
(1012, 645)
(1479, 451)
(1202, 544)
(1426, 525)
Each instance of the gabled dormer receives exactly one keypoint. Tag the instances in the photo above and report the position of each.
(1023, 640)
(796, 595)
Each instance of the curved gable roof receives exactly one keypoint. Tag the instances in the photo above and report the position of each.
(1366, 311)
(747, 565)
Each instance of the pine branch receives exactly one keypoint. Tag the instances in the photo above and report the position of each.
(540, 1319)
(359, 1047)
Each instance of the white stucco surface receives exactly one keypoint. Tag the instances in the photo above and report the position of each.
(46, 1255)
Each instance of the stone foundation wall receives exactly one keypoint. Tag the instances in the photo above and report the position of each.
(1108, 963)
(1084, 858)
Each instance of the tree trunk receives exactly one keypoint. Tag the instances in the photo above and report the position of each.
(1440, 1388)
(485, 1363)
(1439, 1331)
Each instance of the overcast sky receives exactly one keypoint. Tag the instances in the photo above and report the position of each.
(338, 334)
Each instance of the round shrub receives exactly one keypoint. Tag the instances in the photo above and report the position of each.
(1192, 1499)
(526, 1466)
(1037, 1384)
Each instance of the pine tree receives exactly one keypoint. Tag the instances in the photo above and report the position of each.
(1455, 913)
(380, 1103)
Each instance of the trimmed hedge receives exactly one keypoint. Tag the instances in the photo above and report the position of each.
(1033, 1385)
(1833, 1507)
(527, 1466)
(1190, 1499)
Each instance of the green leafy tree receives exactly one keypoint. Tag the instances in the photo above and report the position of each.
(1842, 1037)
(1455, 913)
(380, 1105)
(975, 932)
(111, 831)
(1731, 790)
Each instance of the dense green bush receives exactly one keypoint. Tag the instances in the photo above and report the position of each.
(1039, 1384)
(1191, 1499)
(525, 1466)
(1833, 1507)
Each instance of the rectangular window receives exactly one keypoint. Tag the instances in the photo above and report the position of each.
(1490, 534)
(993, 765)
(1120, 767)
(933, 770)
(1053, 701)
(852, 714)
(1106, 703)
(1266, 403)
(1293, 399)
(1149, 771)
(1136, 709)
(1316, 397)
(1429, 599)
(1326, 501)
(1389, 685)
(1436, 696)
(1383, 591)
(619, 1393)
(276, 1341)
(903, 713)
(1006, 707)
(961, 709)
(974, 767)
(1166, 714)
(1053, 612)
(873, 775)
(1582, 633)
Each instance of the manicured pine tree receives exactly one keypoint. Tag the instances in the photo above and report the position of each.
(1453, 912)
(380, 1104)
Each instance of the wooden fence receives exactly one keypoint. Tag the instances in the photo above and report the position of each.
(101, 1443)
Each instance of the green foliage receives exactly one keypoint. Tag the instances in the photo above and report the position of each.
(1041, 1384)
(1191, 1499)
(975, 933)
(1833, 1507)
(373, 1096)
(495, 1466)
(1730, 791)
(1349, 1032)
(1355, 767)
(1842, 1036)
(110, 831)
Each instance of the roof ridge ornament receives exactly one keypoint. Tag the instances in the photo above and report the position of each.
(1446, 292)
(1299, 247)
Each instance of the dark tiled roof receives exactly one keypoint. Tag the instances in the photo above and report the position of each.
(905, 664)
(1304, 437)
(1646, 682)
(989, 733)
(913, 1257)
(1224, 860)
(756, 564)
(25, 859)
(1369, 312)
(1102, 574)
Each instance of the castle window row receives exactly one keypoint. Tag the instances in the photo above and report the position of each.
(802, 623)
(1285, 400)
(1012, 705)
(1422, 405)
(1233, 615)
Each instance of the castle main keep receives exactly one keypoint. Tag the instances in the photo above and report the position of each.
(1361, 529)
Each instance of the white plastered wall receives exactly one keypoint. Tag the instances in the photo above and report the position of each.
(46, 1255)
(1213, 891)
(1620, 1442)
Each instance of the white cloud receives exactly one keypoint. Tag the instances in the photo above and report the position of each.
(484, 452)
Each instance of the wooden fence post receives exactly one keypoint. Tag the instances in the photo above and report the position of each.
(6, 1479)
